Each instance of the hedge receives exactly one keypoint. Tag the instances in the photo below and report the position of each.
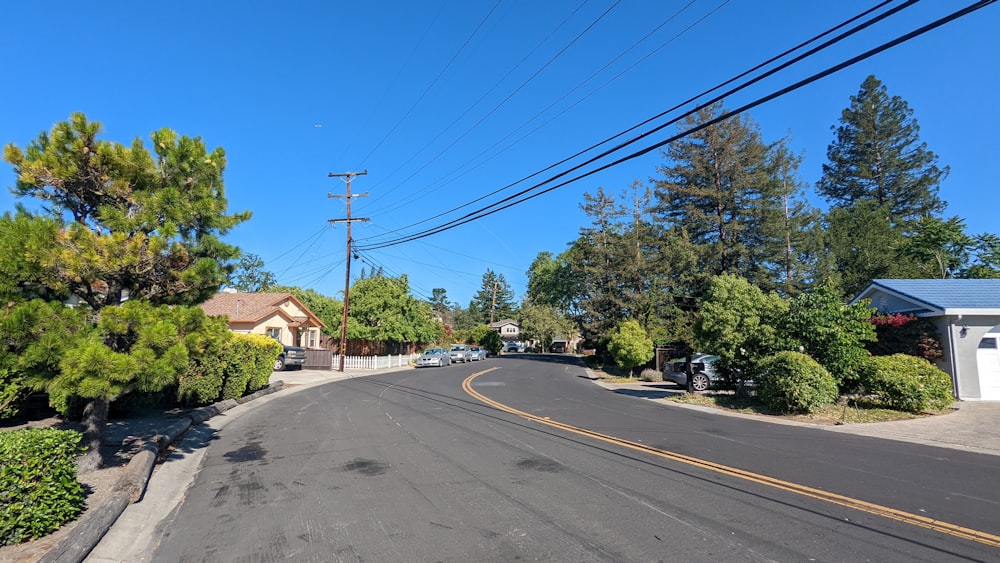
(39, 491)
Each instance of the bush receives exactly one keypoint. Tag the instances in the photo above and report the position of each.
(258, 355)
(201, 384)
(908, 383)
(630, 346)
(794, 382)
(651, 375)
(242, 365)
(39, 491)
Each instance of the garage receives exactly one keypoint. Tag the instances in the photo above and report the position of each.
(966, 314)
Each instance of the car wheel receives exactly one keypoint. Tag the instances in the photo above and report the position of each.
(699, 381)
(279, 364)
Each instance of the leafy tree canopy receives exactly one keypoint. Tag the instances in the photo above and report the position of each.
(250, 275)
(383, 309)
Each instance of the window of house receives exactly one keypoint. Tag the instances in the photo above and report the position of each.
(988, 343)
(311, 339)
(274, 333)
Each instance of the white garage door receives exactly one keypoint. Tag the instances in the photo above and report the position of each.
(988, 358)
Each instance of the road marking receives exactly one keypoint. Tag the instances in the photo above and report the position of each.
(856, 504)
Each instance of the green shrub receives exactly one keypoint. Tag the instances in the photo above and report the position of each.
(908, 383)
(630, 346)
(201, 384)
(794, 382)
(39, 491)
(251, 362)
(651, 375)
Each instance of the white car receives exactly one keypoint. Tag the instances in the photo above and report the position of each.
(479, 353)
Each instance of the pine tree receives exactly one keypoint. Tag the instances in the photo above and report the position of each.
(495, 298)
(595, 259)
(727, 189)
(877, 156)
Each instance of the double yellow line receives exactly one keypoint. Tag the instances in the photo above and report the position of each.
(871, 508)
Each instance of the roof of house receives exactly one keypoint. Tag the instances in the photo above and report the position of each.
(950, 296)
(255, 307)
(503, 322)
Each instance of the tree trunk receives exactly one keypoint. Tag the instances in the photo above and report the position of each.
(95, 421)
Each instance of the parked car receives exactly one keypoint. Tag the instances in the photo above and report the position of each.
(290, 356)
(479, 353)
(703, 373)
(512, 347)
(434, 357)
(460, 353)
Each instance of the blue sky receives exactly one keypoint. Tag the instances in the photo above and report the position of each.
(446, 101)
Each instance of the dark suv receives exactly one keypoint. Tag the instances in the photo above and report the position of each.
(290, 356)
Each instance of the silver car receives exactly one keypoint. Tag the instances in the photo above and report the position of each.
(479, 353)
(434, 357)
(703, 373)
(460, 353)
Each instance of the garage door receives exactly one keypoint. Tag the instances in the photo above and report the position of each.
(988, 358)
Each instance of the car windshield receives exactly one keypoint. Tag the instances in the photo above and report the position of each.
(457, 348)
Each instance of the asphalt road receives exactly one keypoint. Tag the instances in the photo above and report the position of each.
(409, 466)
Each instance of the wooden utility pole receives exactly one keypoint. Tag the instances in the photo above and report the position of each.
(348, 176)
(493, 306)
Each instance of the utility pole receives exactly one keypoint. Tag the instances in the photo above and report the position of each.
(348, 176)
(493, 306)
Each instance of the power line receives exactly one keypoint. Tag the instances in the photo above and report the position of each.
(503, 102)
(433, 83)
(477, 102)
(678, 106)
(543, 111)
(854, 60)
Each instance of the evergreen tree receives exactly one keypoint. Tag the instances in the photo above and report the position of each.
(494, 299)
(596, 262)
(727, 190)
(131, 234)
(877, 156)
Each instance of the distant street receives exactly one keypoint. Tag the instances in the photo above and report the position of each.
(408, 466)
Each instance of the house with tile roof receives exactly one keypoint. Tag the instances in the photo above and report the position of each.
(278, 315)
(967, 316)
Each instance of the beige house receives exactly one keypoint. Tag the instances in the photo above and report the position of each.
(509, 330)
(278, 315)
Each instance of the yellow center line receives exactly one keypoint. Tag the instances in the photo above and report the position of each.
(856, 504)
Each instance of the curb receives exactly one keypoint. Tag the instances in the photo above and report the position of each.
(129, 488)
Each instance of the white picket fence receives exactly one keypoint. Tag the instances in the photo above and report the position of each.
(374, 362)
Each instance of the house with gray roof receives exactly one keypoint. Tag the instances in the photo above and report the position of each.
(967, 316)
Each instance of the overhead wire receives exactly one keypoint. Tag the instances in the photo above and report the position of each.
(479, 100)
(795, 86)
(433, 82)
(684, 103)
(482, 212)
(441, 184)
(513, 93)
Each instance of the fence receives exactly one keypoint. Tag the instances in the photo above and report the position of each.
(373, 362)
